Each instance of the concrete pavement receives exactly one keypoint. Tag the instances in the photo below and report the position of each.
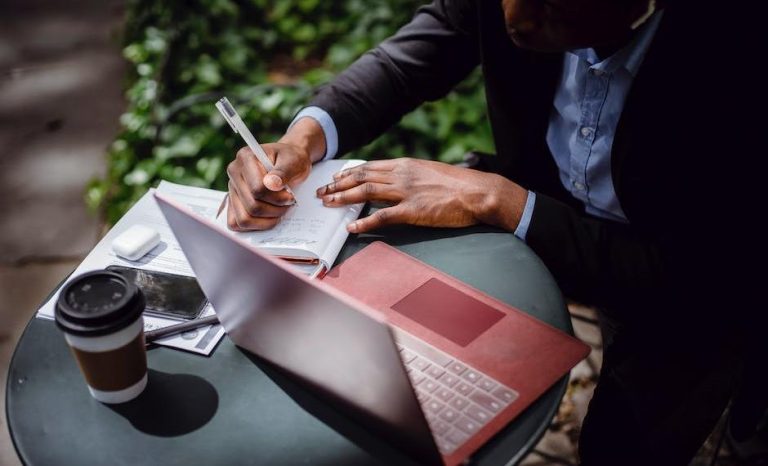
(61, 76)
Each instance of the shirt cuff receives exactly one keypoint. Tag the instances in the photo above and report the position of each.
(328, 126)
(525, 220)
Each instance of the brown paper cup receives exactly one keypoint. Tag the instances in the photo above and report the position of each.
(100, 314)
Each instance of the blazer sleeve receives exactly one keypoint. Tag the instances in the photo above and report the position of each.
(423, 61)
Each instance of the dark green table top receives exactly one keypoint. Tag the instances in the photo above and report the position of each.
(230, 408)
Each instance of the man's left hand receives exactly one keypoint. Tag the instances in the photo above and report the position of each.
(427, 193)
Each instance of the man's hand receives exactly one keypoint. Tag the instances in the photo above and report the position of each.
(427, 193)
(257, 199)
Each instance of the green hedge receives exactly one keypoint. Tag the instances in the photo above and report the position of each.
(266, 56)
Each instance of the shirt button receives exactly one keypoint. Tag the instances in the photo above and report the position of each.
(586, 131)
(578, 186)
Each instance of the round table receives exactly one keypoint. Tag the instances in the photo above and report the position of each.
(230, 408)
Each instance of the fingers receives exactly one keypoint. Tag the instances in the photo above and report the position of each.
(382, 217)
(350, 178)
(255, 207)
(248, 174)
(240, 219)
(375, 165)
(367, 191)
(360, 184)
(257, 198)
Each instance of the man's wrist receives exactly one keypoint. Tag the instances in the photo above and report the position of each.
(504, 204)
(306, 134)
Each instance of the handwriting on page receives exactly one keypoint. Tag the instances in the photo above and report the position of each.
(294, 231)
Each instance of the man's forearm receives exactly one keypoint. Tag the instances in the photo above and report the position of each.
(422, 62)
(307, 134)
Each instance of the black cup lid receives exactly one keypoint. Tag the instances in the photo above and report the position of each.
(98, 303)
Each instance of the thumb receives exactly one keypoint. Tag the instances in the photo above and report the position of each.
(284, 170)
(274, 180)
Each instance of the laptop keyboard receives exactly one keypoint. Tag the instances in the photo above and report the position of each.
(457, 400)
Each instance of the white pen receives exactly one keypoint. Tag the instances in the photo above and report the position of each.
(230, 114)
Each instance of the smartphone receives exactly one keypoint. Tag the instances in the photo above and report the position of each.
(168, 295)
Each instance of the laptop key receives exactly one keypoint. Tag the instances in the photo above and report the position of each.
(444, 394)
(422, 396)
(434, 371)
(464, 388)
(434, 406)
(458, 403)
(478, 414)
(486, 401)
(468, 425)
(456, 367)
(439, 427)
(449, 415)
(445, 446)
(429, 386)
(471, 376)
(419, 363)
(448, 379)
(504, 394)
(416, 377)
(486, 384)
(407, 356)
(457, 436)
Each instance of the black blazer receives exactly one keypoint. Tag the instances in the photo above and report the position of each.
(681, 128)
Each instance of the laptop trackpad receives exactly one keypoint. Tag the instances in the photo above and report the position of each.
(448, 311)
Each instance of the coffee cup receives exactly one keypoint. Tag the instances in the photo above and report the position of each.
(100, 314)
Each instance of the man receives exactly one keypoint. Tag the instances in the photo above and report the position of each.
(608, 119)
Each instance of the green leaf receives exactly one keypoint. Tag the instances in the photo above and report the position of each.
(417, 120)
(269, 103)
(207, 71)
(305, 33)
(95, 193)
(234, 57)
(135, 53)
(185, 146)
(453, 154)
(209, 168)
(308, 5)
(137, 177)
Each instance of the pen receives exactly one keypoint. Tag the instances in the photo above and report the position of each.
(153, 335)
(236, 123)
(222, 205)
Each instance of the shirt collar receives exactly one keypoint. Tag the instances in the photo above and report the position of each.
(631, 56)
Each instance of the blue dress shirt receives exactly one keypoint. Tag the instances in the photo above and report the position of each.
(582, 125)
(585, 113)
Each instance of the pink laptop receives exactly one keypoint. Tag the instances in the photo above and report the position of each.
(426, 362)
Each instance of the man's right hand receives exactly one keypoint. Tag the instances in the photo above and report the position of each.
(257, 199)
